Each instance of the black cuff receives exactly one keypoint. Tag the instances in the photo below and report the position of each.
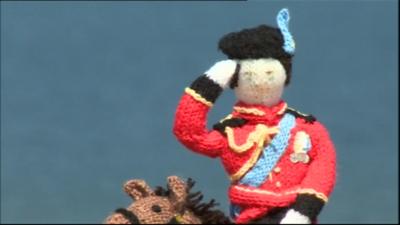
(308, 205)
(206, 88)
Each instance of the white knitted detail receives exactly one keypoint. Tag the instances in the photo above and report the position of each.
(294, 217)
(261, 81)
(222, 72)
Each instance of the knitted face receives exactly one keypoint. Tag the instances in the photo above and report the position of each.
(260, 81)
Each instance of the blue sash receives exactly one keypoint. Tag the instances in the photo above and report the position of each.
(269, 157)
(271, 154)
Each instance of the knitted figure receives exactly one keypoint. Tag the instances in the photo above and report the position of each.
(281, 162)
(174, 205)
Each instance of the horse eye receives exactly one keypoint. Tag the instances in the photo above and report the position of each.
(156, 208)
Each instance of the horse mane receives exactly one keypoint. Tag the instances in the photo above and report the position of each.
(205, 211)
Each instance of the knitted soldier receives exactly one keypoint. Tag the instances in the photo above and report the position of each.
(281, 162)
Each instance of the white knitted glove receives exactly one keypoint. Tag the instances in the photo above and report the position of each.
(294, 217)
(222, 72)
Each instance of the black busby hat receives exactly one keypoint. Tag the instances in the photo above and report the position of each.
(262, 42)
(254, 43)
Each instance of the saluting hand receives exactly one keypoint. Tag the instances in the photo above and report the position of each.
(222, 72)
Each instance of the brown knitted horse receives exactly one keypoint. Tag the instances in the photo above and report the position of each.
(174, 205)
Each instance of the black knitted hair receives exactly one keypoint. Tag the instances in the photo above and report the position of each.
(255, 43)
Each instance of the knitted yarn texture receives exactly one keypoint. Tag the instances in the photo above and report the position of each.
(281, 162)
(175, 204)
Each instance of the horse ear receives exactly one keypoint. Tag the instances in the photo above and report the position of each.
(178, 190)
(137, 189)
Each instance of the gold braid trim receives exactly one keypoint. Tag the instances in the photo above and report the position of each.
(250, 163)
(198, 97)
(297, 191)
(298, 112)
(314, 192)
(229, 116)
(253, 111)
(281, 111)
(260, 136)
(256, 111)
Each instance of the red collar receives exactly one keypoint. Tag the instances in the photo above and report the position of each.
(260, 113)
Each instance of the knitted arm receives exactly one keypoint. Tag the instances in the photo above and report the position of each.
(320, 179)
(191, 118)
(191, 115)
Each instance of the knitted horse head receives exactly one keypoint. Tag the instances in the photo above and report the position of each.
(174, 205)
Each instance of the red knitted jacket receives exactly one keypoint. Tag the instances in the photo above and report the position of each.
(239, 149)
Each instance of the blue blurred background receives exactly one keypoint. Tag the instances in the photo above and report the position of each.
(89, 91)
